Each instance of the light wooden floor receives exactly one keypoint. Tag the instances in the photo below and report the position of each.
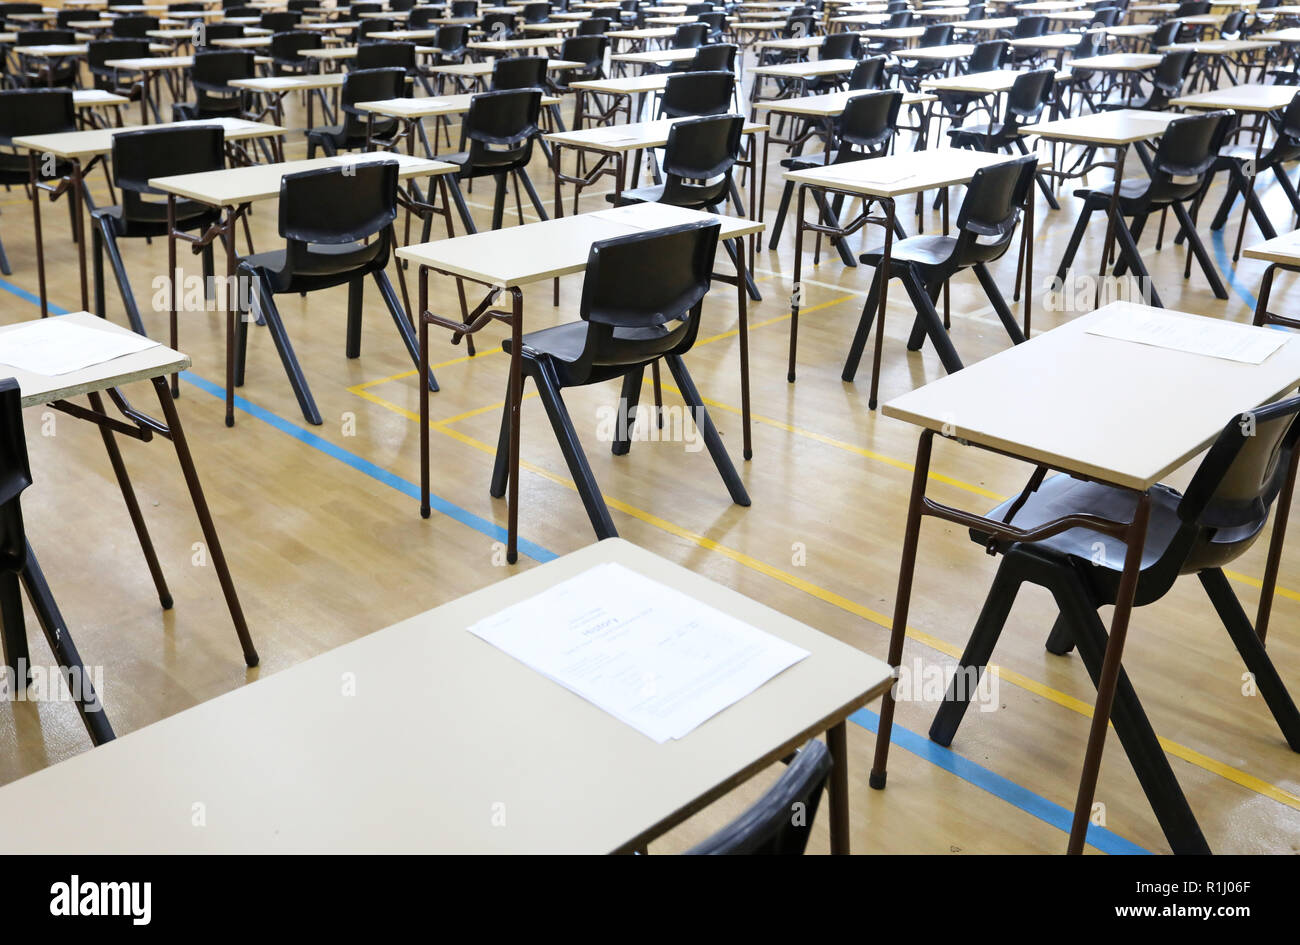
(326, 543)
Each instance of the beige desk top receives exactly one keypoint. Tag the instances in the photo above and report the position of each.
(1223, 47)
(1041, 400)
(1289, 35)
(899, 174)
(937, 53)
(154, 64)
(1284, 249)
(238, 185)
(289, 764)
(1124, 126)
(42, 389)
(987, 83)
(628, 85)
(1242, 98)
(52, 51)
(830, 104)
(792, 42)
(411, 108)
(514, 45)
(275, 84)
(653, 57)
(633, 136)
(990, 25)
(1050, 41)
(97, 98)
(535, 252)
(806, 70)
(82, 144)
(643, 33)
(1130, 29)
(1119, 62)
(895, 32)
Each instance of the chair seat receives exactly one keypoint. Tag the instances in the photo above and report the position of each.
(1131, 193)
(330, 264)
(1099, 557)
(563, 346)
(189, 215)
(804, 162)
(981, 131)
(925, 251)
(652, 193)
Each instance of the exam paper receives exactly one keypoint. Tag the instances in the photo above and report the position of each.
(648, 216)
(54, 346)
(1247, 344)
(656, 659)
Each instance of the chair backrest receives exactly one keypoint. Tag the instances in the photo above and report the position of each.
(647, 279)
(65, 18)
(301, 6)
(385, 55)
(995, 198)
(594, 26)
(15, 476)
(715, 57)
(1231, 492)
(45, 37)
(938, 34)
(287, 48)
(869, 73)
(368, 85)
(1192, 8)
(1166, 34)
(536, 12)
(697, 93)
(899, 19)
(100, 51)
(211, 31)
(1167, 83)
(134, 27)
(1029, 94)
(797, 26)
(975, 11)
(421, 17)
(1028, 26)
(497, 26)
(279, 21)
(366, 27)
(36, 112)
(1287, 146)
(1185, 154)
(362, 9)
(1231, 25)
(335, 206)
(695, 9)
(519, 72)
(401, 6)
(451, 39)
(501, 127)
(841, 46)
(987, 56)
(698, 159)
(780, 822)
(141, 156)
(1106, 16)
(867, 123)
(464, 8)
(589, 50)
(243, 11)
(690, 35)
(716, 22)
(214, 68)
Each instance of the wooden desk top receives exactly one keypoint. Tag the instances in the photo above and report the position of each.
(82, 144)
(1243, 98)
(1042, 401)
(899, 174)
(627, 137)
(830, 104)
(238, 185)
(535, 252)
(1121, 127)
(1119, 62)
(1284, 249)
(143, 365)
(288, 764)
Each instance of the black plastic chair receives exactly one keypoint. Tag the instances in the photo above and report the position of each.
(385, 54)
(1105, 16)
(105, 77)
(18, 564)
(464, 8)
(988, 56)
(1177, 173)
(690, 35)
(717, 24)
(365, 28)
(134, 27)
(57, 72)
(214, 31)
(337, 224)
(593, 26)
(869, 73)
(898, 19)
(780, 822)
(519, 72)
(642, 299)
(588, 50)
(67, 19)
(865, 129)
(697, 93)
(716, 57)
(1192, 8)
(211, 75)
(360, 85)
(986, 227)
(1030, 94)
(1218, 518)
(280, 21)
(1235, 160)
(1166, 34)
(1166, 82)
(32, 112)
(910, 75)
(138, 157)
(286, 52)
(500, 128)
(1026, 27)
(698, 162)
(536, 12)
(498, 26)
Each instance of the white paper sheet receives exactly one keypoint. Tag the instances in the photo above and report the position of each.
(54, 346)
(1212, 337)
(647, 654)
(647, 216)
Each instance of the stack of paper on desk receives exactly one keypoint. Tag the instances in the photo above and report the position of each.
(1194, 334)
(54, 346)
(647, 654)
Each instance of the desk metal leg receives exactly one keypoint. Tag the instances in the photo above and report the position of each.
(1113, 220)
(79, 232)
(209, 528)
(796, 295)
(34, 174)
(516, 397)
(902, 601)
(425, 371)
(1110, 667)
(886, 254)
(742, 307)
(837, 742)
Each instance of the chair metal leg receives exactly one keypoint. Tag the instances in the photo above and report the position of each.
(782, 209)
(501, 464)
(458, 198)
(4, 261)
(356, 297)
(109, 240)
(499, 201)
(1072, 247)
(999, 303)
(522, 174)
(292, 369)
(1198, 248)
(863, 332)
(1060, 641)
(549, 393)
(929, 316)
(711, 438)
(1254, 655)
(13, 630)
